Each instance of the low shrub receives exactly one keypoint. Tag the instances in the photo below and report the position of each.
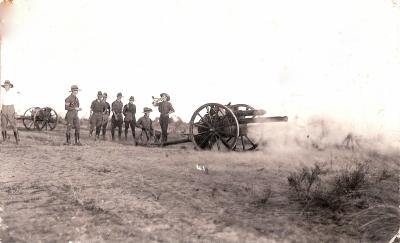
(316, 187)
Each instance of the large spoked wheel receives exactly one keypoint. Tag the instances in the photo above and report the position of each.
(46, 118)
(214, 127)
(246, 140)
(29, 117)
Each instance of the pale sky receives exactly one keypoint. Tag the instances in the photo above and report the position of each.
(339, 59)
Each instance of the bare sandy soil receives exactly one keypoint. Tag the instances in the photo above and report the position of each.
(114, 192)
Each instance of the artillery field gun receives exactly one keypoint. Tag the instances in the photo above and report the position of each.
(39, 118)
(224, 127)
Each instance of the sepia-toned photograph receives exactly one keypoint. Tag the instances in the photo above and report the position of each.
(200, 121)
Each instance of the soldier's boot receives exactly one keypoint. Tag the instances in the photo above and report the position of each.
(119, 134)
(126, 134)
(4, 134)
(77, 142)
(16, 135)
(90, 132)
(104, 133)
(134, 138)
(68, 137)
(112, 135)
(97, 133)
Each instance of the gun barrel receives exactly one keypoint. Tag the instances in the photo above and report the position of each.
(179, 141)
(240, 113)
(263, 119)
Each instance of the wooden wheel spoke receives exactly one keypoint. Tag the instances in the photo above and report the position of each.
(51, 125)
(205, 139)
(200, 133)
(40, 124)
(225, 143)
(204, 120)
(200, 125)
(208, 108)
(250, 140)
(250, 146)
(254, 145)
(30, 124)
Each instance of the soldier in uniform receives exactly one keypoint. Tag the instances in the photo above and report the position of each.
(72, 119)
(146, 124)
(130, 119)
(96, 114)
(165, 108)
(117, 118)
(106, 115)
(8, 98)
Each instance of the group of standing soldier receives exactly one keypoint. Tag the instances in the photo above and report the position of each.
(100, 111)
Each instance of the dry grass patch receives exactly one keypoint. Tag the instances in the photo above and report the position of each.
(355, 198)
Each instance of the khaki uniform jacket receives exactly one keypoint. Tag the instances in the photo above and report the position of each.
(71, 102)
(116, 107)
(129, 112)
(98, 106)
(165, 107)
(145, 123)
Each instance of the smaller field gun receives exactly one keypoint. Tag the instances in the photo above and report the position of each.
(39, 118)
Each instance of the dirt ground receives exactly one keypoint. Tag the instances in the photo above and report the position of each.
(115, 192)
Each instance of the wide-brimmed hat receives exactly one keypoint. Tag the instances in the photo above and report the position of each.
(168, 98)
(99, 93)
(119, 94)
(7, 82)
(74, 87)
(147, 109)
(105, 94)
(131, 98)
